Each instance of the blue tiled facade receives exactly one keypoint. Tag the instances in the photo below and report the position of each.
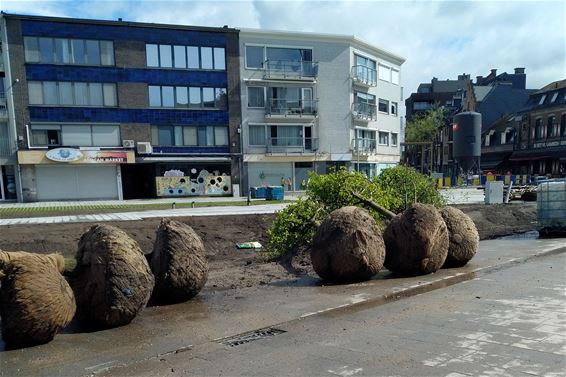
(50, 72)
(115, 32)
(115, 115)
(150, 76)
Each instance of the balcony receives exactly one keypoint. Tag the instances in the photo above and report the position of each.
(290, 70)
(364, 111)
(6, 149)
(364, 76)
(364, 146)
(288, 108)
(292, 145)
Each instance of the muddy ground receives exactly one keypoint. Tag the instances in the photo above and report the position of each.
(230, 267)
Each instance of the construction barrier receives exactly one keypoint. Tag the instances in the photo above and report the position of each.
(518, 180)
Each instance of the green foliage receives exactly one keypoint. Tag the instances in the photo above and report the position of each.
(293, 225)
(423, 128)
(405, 186)
(395, 189)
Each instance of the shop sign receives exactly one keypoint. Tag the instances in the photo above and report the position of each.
(75, 156)
(64, 155)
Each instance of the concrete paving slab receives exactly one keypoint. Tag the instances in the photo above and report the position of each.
(214, 315)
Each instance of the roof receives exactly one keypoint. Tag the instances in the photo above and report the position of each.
(481, 91)
(324, 37)
(119, 23)
(448, 86)
(502, 100)
(552, 95)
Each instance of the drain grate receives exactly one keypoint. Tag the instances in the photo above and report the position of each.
(251, 336)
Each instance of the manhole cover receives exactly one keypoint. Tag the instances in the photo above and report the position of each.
(250, 337)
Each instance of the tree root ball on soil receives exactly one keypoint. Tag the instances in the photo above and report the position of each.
(348, 246)
(416, 241)
(178, 262)
(112, 281)
(463, 236)
(35, 300)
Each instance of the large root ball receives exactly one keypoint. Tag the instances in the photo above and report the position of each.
(35, 300)
(348, 246)
(463, 236)
(112, 280)
(416, 241)
(178, 262)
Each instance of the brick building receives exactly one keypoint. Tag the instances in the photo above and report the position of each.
(115, 109)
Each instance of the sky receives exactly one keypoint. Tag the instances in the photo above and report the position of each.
(438, 38)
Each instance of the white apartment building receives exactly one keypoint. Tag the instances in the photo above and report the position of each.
(316, 101)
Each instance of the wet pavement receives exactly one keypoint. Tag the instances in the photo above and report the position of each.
(200, 326)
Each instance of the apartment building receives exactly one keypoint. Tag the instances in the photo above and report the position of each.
(311, 102)
(95, 109)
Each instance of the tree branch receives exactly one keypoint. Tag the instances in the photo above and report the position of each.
(382, 211)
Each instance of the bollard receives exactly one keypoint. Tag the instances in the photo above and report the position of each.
(173, 205)
(249, 195)
(193, 204)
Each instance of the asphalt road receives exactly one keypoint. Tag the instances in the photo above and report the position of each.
(508, 322)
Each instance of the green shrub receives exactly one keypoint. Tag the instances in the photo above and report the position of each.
(293, 225)
(405, 186)
(394, 189)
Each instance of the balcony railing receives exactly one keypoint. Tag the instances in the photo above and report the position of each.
(364, 111)
(6, 148)
(292, 145)
(364, 75)
(291, 70)
(291, 108)
(364, 146)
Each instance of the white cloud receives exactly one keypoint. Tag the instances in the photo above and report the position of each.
(440, 38)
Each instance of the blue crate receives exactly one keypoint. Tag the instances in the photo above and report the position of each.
(275, 193)
(258, 192)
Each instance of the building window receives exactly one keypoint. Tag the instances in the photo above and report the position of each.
(563, 125)
(395, 76)
(75, 135)
(539, 129)
(256, 96)
(68, 51)
(394, 108)
(384, 73)
(421, 105)
(551, 131)
(383, 106)
(191, 97)
(257, 135)
(72, 93)
(542, 98)
(554, 96)
(365, 69)
(383, 138)
(254, 56)
(393, 139)
(189, 135)
(183, 57)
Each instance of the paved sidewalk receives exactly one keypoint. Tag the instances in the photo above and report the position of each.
(140, 215)
(199, 326)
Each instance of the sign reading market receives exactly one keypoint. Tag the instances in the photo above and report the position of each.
(75, 156)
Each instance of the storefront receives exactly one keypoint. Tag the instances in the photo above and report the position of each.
(72, 174)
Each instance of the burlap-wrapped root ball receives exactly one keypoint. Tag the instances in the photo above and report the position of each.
(112, 280)
(178, 262)
(463, 236)
(416, 241)
(348, 246)
(35, 300)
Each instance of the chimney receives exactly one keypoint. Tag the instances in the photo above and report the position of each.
(479, 79)
(519, 71)
(494, 72)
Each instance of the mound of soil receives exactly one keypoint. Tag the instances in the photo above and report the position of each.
(233, 268)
